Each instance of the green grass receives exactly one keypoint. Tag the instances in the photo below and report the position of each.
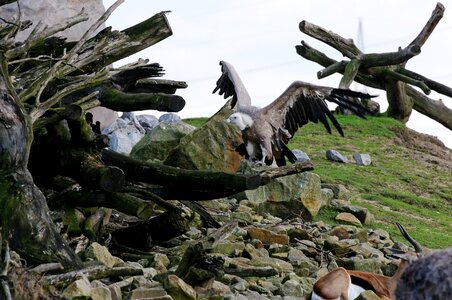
(396, 187)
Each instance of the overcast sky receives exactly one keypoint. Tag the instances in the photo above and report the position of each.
(259, 36)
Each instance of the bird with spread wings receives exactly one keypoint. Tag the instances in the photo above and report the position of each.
(267, 130)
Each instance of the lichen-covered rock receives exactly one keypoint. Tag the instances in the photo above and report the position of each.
(292, 195)
(362, 159)
(358, 264)
(160, 141)
(362, 213)
(178, 289)
(339, 191)
(80, 289)
(268, 237)
(210, 147)
(100, 253)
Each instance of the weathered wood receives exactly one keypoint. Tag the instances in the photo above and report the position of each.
(120, 101)
(92, 273)
(122, 202)
(383, 71)
(157, 86)
(181, 180)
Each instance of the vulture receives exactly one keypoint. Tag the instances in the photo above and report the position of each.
(267, 130)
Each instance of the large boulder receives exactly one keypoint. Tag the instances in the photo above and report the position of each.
(209, 147)
(288, 196)
(51, 12)
(159, 142)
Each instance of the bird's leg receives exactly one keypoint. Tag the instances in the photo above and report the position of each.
(264, 155)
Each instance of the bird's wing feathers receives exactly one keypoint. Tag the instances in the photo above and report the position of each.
(303, 102)
(229, 84)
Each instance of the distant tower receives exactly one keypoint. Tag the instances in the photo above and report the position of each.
(360, 45)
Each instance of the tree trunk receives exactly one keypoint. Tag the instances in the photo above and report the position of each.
(24, 214)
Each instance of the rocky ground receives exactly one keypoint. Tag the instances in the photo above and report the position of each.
(268, 246)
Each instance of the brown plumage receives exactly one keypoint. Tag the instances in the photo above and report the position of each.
(266, 131)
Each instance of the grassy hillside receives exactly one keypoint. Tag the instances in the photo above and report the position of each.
(409, 181)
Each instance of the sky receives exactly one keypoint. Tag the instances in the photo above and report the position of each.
(259, 37)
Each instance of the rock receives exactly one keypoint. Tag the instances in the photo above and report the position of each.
(303, 266)
(368, 295)
(292, 195)
(348, 218)
(100, 253)
(372, 265)
(339, 247)
(341, 232)
(334, 155)
(267, 236)
(367, 251)
(300, 155)
(100, 293)
(362, 159)
(361, 213)
(292, 288)
(161, 262)
(123, 135)
(380, 238)
(160, 141)
(81, 288)
(149, 293)
(339, 191)
(327, 196)
(298, 234)
(278, 264)
(170, 118)
(148, 122)
(229, 248)
(178, 289)
(51, 12)
(209, 147)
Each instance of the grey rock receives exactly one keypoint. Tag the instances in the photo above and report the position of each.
(372, 265)
(292, 288)
(300, 155)
(339, 191)
(361, 213)
(327, 196)
(170, 118)
(123, 135)
(362, 159)
(334, 155)
(148, 122)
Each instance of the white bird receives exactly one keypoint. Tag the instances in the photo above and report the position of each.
(267, 130)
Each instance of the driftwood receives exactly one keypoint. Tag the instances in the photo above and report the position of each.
(384, 71)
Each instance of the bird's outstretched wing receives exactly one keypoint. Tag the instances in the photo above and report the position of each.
(229, 84)
(303, 102)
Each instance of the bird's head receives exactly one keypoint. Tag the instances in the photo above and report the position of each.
(240, 120)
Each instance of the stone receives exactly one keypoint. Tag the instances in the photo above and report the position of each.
(101, 293)
(368, 295)
(367, 251)
(292, 195)
(298, 234)
(123, 135)
(178, 289)
(339, 191)
(348, 218)
(229, 248)
(341, 232)
(80, 288)
(362, 213)
(300, 155)
(149, 293)
(210, 147)
(160, 141)
(380, 238)
(362, 159)
(161, 262)
(278, 264)
(292, 288)
(372, 265)
(51, 12)
(267, 236)
(327, 196)
(170, 118)
(148, 122)
(334, 155)
(100, 253)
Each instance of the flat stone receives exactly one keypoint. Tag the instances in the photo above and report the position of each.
(179, 289)
(101, 293)
(368, 295)
(348, 218)
(300, 155)
(267, 236)
(78, 289)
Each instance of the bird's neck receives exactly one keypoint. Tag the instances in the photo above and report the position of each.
(247, 121)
